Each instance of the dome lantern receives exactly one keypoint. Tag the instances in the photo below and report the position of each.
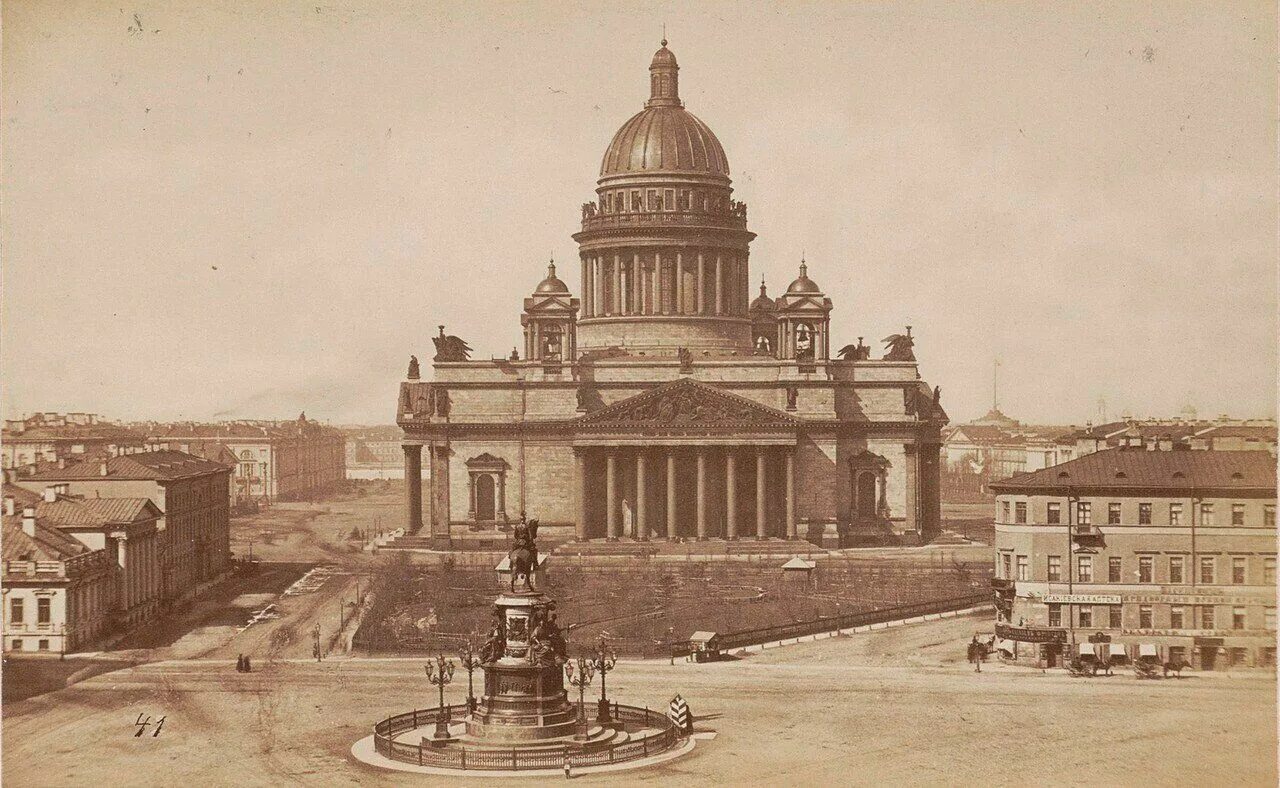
(664, 79)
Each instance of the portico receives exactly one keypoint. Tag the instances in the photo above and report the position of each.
(642, 496)
(673, 463)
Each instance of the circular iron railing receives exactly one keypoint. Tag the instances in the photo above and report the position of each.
(455, 756)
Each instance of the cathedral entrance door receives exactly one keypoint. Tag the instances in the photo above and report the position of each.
(866, 491)
(484, 497)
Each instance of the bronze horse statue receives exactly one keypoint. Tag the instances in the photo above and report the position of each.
(524, 553)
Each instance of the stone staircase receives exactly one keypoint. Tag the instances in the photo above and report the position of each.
(597, 737)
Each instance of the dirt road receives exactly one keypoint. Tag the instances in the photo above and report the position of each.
(894, 706)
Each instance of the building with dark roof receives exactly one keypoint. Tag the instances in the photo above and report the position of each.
(1141, 546)
(663, 402)
(190, 493)
(59, 594)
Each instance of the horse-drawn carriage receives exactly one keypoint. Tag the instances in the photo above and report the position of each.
(1147, 665)
(1087, 661)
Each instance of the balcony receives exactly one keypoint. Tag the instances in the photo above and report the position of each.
(1002, 583)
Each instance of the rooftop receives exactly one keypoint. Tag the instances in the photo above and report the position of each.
(48, 544)
(69, 511)
(1147, 469)
(158, 465)
(245, 429)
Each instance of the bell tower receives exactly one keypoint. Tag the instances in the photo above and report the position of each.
(550, 321)
(804, 320)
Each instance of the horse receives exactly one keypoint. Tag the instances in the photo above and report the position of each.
(1176, 667)
(524, 555)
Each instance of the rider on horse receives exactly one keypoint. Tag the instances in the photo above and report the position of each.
(524, 551)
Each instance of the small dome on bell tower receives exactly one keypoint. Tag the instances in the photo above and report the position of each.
(552, 284)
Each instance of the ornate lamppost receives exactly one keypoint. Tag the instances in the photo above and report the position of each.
(603, 663)
(440, 673)
(585, 670)
(469, 660)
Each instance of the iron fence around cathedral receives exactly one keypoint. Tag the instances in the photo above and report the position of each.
(448, 643)
(815, 626)
(657, 734)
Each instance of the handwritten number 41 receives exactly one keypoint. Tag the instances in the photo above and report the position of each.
(144, 723)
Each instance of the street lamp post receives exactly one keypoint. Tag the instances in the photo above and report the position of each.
(440, 673)
(315, 633)
(470, 660)
(603, 662)
(580, 678)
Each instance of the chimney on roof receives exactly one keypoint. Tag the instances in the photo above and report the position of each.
(50, 494)
(10, 506)
(29, 522)
(62, 462)
(102, 468)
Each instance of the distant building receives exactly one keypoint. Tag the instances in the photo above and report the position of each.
(59, 595)
(1224, 434)
(190, 491)
(274, 460)
(374, 453)
(996, 447)
(1174, 548)
(69, 437)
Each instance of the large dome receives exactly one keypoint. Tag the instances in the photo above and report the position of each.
(664, 136)
(666, 139)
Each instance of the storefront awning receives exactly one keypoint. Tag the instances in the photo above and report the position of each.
(1148, 650)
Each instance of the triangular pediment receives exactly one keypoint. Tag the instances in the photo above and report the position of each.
(804, 303)
(686, 402)
(557, 302)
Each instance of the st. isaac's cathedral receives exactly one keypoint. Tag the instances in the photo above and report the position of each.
(663, 403)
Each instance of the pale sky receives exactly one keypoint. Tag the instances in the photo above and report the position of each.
(262, 208)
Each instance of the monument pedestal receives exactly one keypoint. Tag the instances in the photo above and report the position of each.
(524, 697)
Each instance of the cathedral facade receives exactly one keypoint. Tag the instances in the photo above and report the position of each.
(663, 402)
